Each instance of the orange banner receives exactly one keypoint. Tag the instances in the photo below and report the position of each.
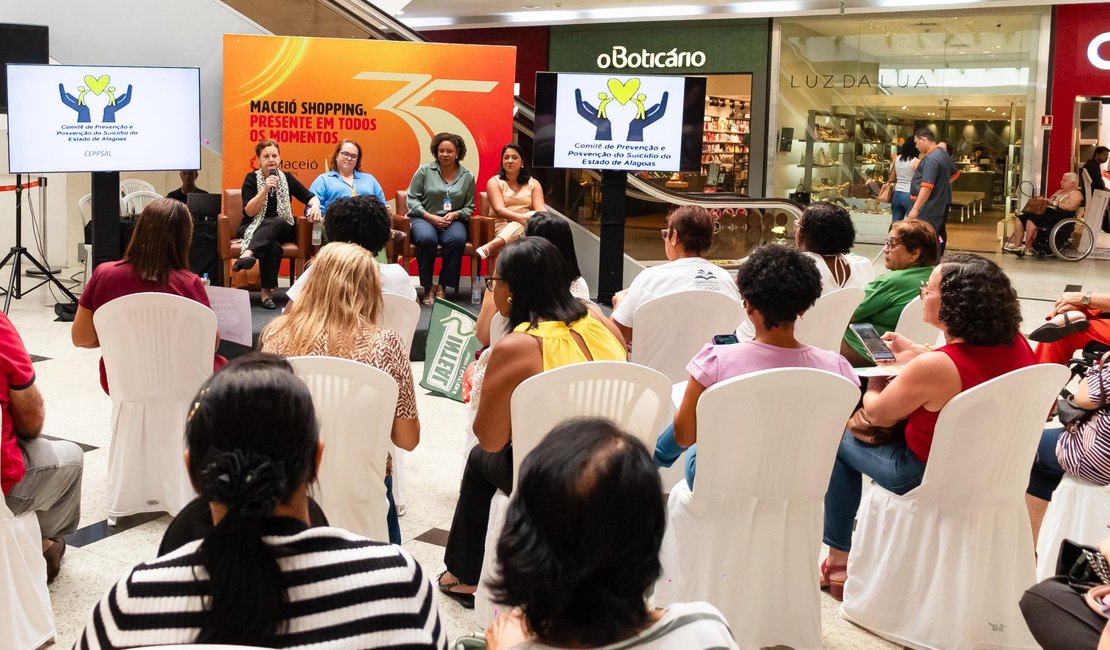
(390, 97)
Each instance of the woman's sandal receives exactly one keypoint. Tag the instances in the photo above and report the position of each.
(1051, 332)
(833, 577)
(447, 589)
(429, 298)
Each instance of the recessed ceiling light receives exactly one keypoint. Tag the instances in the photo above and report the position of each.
(529, 6)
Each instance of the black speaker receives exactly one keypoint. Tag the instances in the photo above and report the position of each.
(204, 254)
(21, 44)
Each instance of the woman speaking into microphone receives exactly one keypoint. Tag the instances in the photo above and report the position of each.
(269, 221)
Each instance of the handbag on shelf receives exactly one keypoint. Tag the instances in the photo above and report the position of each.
(886, 193)
(1036, 205)
(865, 432)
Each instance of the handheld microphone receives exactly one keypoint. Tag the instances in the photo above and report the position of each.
(273, 190)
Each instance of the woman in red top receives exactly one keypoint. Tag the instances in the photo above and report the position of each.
(157, 260)
(971, 300)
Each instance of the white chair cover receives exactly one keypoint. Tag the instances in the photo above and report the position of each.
(945, 565)
(635, 397)
(157, 352)
(672, 328)
(136, 201)
(748, 537)
(26, 618)
(1079, 511)
(354, 404)
(823, 325)
(912, 325)
(401, 315)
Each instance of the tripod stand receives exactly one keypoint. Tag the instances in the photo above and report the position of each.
(18, 252)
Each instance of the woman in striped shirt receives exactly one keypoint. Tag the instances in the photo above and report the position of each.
(262, 577)
(1082, 451)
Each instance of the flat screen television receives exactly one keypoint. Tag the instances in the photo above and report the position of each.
(628, 122)
(69, 118)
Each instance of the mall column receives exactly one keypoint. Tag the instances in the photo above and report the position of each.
(614, 206)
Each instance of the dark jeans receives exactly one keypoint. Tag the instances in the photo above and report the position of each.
(892, 466)
(1046, 472)
(391, 520)
(484, 475)
(426, 238)
(266, 246)
(1059, 618)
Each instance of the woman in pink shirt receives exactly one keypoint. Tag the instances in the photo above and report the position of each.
(778, 284)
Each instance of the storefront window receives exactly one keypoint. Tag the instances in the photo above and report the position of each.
(851, 92)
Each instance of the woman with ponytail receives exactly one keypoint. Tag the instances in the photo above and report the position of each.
(252, 450)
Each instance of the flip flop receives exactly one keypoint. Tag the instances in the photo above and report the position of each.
(1051, 332)
(464, 599)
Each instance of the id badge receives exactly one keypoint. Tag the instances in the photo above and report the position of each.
(447, 203)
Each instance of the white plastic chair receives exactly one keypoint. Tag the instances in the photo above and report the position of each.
(354, 404)
(1079, 511)
(129, 185)
(157, 351)
(912, 325)
(945, 565)
(672, 328)
(497, 328)
(635, 397)
(401, 315)
(26, 618)
(84, 206)
(748, 537)
(823, 325)
(136, 201)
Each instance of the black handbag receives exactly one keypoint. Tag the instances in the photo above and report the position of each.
(1073, 416)
(1082, 566)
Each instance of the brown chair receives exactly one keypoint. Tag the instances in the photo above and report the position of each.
(230, 220)
(492, 259)
(479, 231)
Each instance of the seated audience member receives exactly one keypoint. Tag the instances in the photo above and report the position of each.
(1083, 452)
(336, 316)
(1060, 618)
(777, 284)
(1062, 205)
(188, 186)
(556, 230)
(268, 216)
(37, 475)
(362, 220)
(156, 260)
(974, 305)
(910, 253)
(825, 232)
(262, 577)
(1076, 319)
(550, 328)
(580, 549)
(686, 239)
(346, 178)
(514, 197)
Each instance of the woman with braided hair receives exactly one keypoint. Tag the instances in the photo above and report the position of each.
(262, 577)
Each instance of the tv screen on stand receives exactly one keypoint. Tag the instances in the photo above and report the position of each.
(624, 122)
(64, 118)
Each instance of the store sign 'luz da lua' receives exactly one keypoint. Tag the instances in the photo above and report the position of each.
(862, 81)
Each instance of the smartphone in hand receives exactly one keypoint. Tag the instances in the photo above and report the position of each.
(875, 345)
(725, 339)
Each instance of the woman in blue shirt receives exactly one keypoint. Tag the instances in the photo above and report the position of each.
(346, 177)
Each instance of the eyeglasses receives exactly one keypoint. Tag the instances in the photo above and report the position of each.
(490, 280)
(348, 155)
(891, 244)
(923, 290)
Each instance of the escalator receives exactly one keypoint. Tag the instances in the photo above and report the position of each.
(744, 222)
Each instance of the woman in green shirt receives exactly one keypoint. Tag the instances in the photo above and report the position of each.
(440, 202)
(910, 252)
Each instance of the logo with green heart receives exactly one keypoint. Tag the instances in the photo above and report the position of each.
(96, 86)
(622, 91)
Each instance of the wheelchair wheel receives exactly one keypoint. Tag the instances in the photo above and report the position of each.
(1071, 240)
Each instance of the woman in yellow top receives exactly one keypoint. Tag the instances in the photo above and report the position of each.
(514, 196)
(549, 328)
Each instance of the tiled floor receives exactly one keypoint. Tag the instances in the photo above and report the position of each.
(77, 410)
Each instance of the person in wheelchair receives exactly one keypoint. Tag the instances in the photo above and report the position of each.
(1031, 230)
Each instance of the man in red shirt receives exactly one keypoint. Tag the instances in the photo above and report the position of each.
(36, 475)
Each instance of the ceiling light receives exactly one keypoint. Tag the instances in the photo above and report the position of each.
(903, 108)
(529, 6)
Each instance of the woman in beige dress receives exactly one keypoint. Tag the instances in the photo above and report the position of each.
(514, 196)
